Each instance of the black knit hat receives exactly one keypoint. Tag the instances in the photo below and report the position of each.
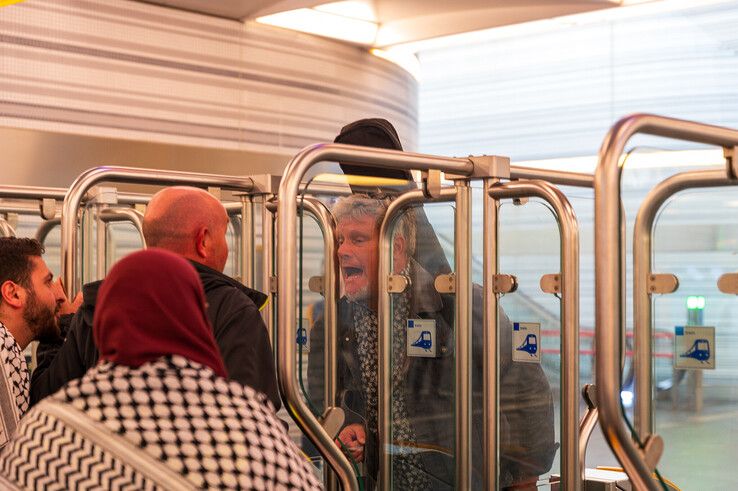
(371, 132)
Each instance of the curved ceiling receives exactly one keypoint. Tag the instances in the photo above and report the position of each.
(406, 21)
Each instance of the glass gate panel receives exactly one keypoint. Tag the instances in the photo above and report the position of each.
(350, 209)
(423, 357)
(695, 339)
(529, 346)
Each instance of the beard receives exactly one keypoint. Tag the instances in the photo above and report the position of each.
(41, 320)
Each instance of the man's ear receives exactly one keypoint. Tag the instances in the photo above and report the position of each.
(202, 242)
(399, 246)
(13, 294)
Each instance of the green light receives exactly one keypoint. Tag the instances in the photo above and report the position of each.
(695, 302)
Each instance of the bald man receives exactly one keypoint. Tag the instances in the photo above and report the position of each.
(192, 223)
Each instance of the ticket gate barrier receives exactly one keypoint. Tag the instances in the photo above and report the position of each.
(286, 332)
(638, 458)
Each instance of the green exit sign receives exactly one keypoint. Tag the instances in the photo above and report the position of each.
(695, 302)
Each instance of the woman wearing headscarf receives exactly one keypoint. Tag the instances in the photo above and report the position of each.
(157, 412)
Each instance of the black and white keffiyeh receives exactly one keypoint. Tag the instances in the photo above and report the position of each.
(13, 385)
(169, 424)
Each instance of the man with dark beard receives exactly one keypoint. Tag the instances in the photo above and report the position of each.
(30, 304)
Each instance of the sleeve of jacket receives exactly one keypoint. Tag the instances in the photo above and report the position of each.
(59, 363)
(244, 345)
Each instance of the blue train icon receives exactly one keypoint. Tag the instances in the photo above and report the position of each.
(700, 350)
(530, 345)
(424, 341)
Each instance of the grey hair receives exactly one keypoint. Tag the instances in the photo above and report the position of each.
(357, 206)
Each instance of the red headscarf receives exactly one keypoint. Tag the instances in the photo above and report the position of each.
(150, 305)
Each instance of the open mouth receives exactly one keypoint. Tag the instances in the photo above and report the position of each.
(349, 271)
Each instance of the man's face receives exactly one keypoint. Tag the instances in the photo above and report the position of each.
(43, 302)
(358, 256)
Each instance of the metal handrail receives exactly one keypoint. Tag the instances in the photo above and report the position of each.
(560, 178)
(642, 264)
(609, 254)
(569, 231)
(287, 273)
(90, 177)
(384, 394)
(43, 230)
(331, 288)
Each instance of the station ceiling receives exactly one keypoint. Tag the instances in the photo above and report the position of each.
(405, 21)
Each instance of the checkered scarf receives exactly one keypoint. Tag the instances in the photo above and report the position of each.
(408, 470)
(168, 424)
(14, 385)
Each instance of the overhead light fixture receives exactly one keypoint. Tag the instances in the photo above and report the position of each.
(351, 21)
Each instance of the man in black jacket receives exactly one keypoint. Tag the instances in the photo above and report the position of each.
(192, 223)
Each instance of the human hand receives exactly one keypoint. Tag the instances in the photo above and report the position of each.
(65, 306)
(353, 438)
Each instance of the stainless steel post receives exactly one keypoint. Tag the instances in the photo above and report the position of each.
(608, 254)
(267, 259)
(384, 310)
(90, 177)
(330, 311)
(463, 333)
(642, 257)
(569, 230)
(101, 243)
(490, 338)
(247, 240)
(287, 273)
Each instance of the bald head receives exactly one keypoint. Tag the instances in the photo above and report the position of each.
(190, 222)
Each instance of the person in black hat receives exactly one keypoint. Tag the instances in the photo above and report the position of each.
(423, 368)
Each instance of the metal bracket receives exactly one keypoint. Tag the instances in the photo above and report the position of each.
(272, 284)
(486, 166)
(103, 195)
(662, 283)
(47, 206)
(265, 184)
(12, 219)
(728, 283)
(731, 161)
(551, 283)
(332, 420)
(653, 449)
(315, 284)
(520, 201)
(505, 283)
(397, 283)
(432, 183)
(445, 283)
(215, 191)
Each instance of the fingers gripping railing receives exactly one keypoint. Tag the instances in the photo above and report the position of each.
(89, 178)
(569, 231)
(330, 292)
(608, 280)
(287, 273)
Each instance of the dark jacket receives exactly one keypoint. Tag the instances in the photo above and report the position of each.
(239, 330)
(526, 422)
